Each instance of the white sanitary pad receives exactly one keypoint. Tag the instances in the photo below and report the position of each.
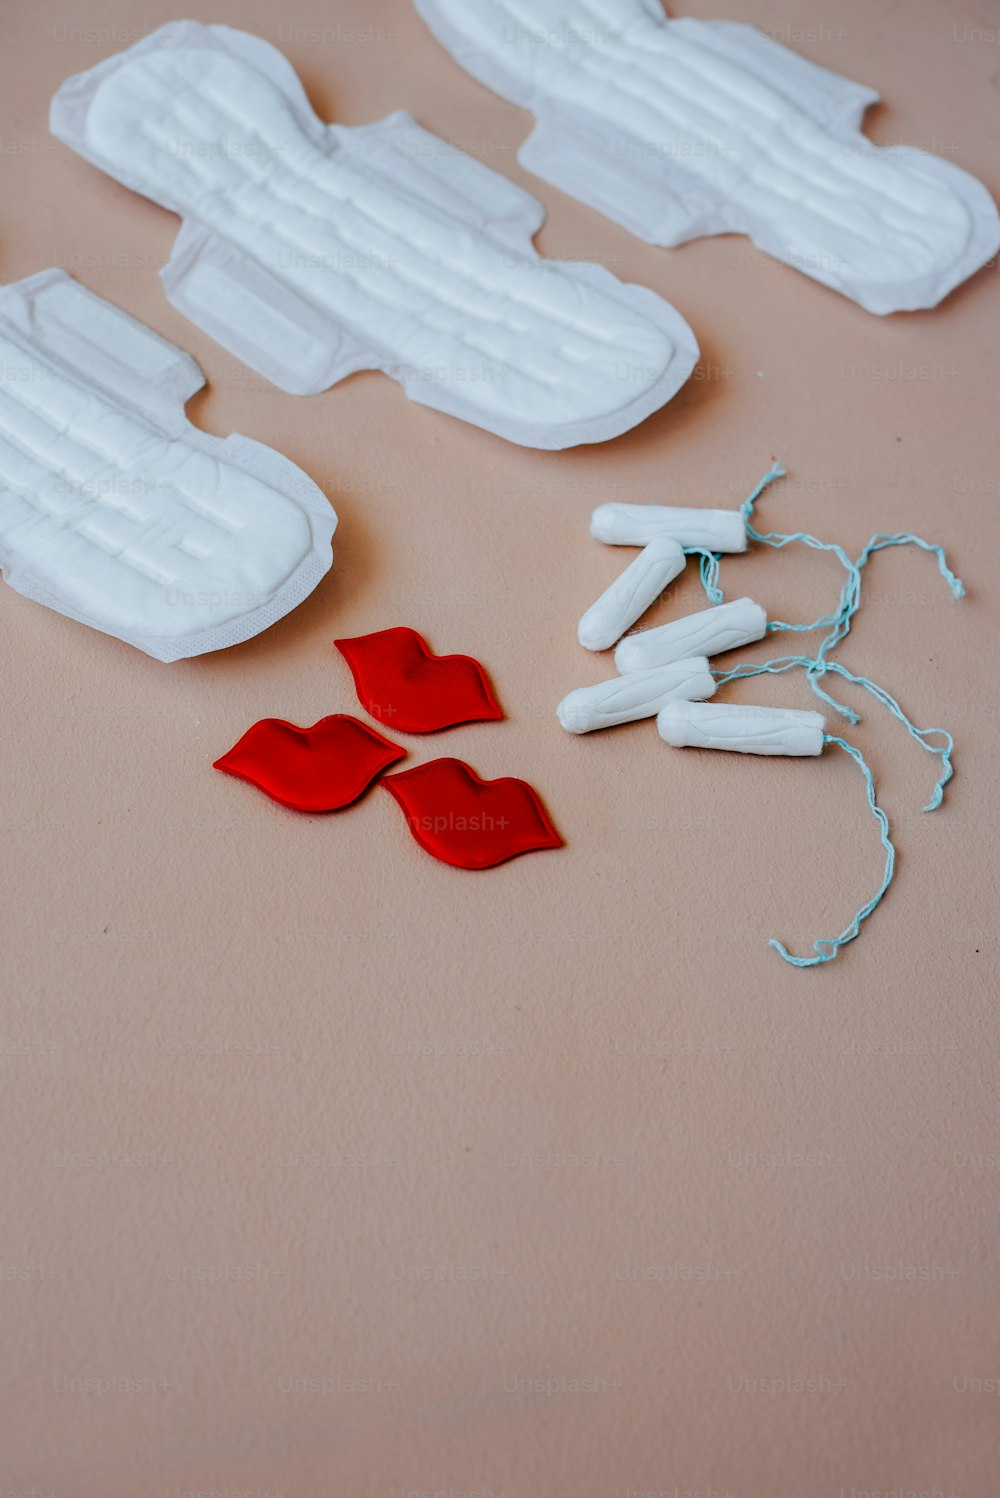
(679, 129)
(114, 509)
(313, 251)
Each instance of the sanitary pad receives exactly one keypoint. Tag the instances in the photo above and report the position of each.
(114, 509)
(312, 251)
(684, 128)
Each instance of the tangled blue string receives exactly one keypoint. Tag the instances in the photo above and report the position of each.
(789, 662)
(826, 950)
(936, 741)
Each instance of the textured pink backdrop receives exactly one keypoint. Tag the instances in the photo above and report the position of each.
(425, 1138)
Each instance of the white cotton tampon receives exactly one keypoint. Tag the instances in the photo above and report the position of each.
(707, 633)
(637, 525)
(748, 730)
(641, 694)
(631, 594)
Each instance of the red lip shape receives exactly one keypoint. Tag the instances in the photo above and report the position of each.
(321, 768)
(468, 822)
(404, 685)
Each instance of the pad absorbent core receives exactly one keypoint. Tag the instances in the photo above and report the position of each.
(683, 128)
(114, 509)
(312, 251)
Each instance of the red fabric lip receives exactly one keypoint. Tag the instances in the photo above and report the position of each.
(321, 768)
(404, 685)
(468, 822)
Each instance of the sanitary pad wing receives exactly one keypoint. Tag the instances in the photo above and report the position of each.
(313, 251)
(114, 509)
(682, 128)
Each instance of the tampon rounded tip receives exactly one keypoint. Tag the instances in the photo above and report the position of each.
(671, 725)
(630, 655)
(602, 523)
(593, 633)
(574, 711)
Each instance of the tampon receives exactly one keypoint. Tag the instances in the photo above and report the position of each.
(707, 633)
(631, 594)
(636, 525)
(748, 730)
(641, 694)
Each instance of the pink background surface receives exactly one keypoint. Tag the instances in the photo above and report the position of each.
(570, 1120)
